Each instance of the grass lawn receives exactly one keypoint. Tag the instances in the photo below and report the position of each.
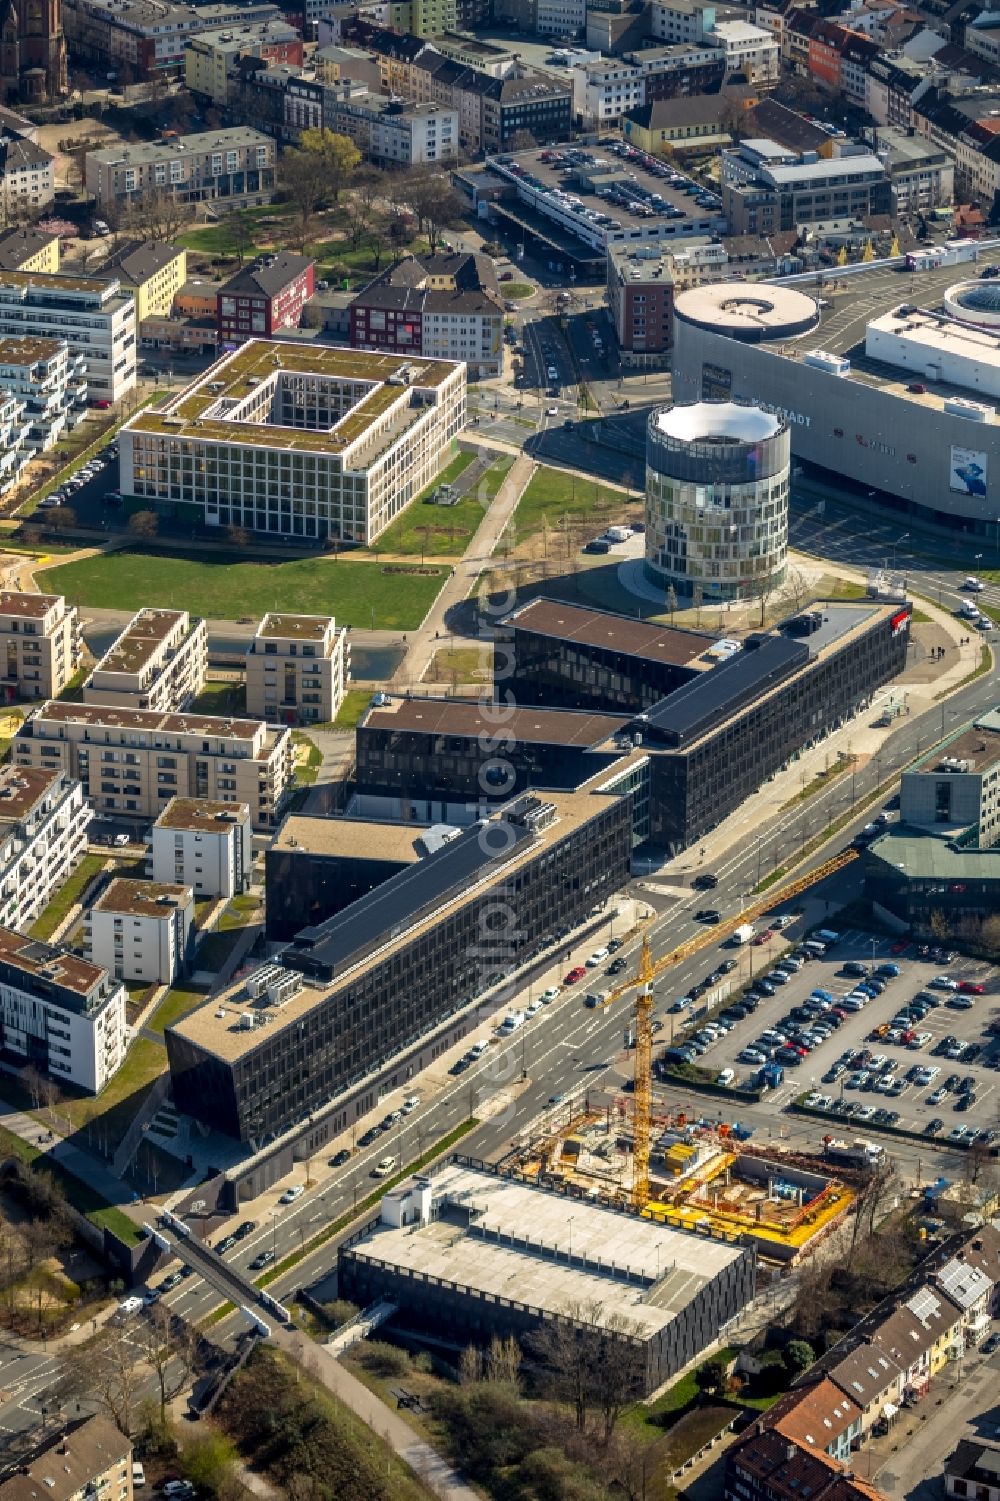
(516, 290)
(228, 586)
(175, 1004)
(435, 531)
(648, 1418)
(240, 911)
(489, 485)
(117, 1104)
(356, 701)
(220, 698)
(78, 1193)
(67, 896)
(307, 766)
(552, 494)
(469, 664)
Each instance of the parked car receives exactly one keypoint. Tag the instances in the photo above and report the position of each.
(261, 1260)
(291, 1194)
(339, 1158)
(247, 1227)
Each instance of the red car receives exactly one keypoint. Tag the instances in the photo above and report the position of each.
(969, 987)
(574, 975)
(900, 946)
(763, 937)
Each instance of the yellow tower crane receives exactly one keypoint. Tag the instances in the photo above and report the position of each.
(643, 1097)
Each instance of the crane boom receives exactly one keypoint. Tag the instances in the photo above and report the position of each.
(643, 1096)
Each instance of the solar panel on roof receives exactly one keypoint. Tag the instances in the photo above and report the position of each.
(328, 948)
(689, 711)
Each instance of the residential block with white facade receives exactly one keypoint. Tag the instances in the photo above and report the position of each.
(236, 167)
(43, 837)
(61, 1013)
(298, 668)
(133, 761)
(205, 845)
(39, 644)
(141, 930)
(605, 89)
(446, 306)
(158, 662)
(94, 317)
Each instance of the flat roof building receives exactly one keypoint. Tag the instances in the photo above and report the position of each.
(43, 837)
(897, 414)
(158, 662)
(473, 1253)
(235, 167)
(94, 317)
(61, 1013)
(344, 999)
(133, 761)
(957, 786)
(297, 669)
(204, 844)
(40, 644)
(315, 442)
(141, 930)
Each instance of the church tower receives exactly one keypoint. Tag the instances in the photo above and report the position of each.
(32, 51)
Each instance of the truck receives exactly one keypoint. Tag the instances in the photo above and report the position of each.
(742, 934)
(866, 1155)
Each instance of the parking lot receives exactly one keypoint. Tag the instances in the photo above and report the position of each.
(951, 1041)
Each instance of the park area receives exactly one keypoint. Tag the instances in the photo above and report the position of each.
(230, 586)
(435, 531)
(556, 501)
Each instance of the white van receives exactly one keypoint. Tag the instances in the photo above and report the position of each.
(512, 1021)
(726, 1077)
(968, 610)
(478, 1049)
(138, 1475)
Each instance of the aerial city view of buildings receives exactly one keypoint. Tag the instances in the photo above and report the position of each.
(500, 749)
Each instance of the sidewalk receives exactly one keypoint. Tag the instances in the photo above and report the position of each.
(75, 1160)
(426, 1463)
(422, 645)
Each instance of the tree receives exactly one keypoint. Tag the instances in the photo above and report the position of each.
(591, 1359)
(436, 204)
(301, 181)
(238, 536)
(168, 1346)
(798, 1357)
(114, 1375)
(209, 1462)
(470, 1365)
(61, 518)
(503, 1360)
(710, 1377)
(335, 158)
(143, 524)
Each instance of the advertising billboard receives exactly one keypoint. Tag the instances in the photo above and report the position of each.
(969, 471)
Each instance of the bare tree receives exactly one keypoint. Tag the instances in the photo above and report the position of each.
(592, 1358)
(503, 1360)
(168, 1346)
(470, 1365)
(144, 524)
(116, 1377)
(32, 1081)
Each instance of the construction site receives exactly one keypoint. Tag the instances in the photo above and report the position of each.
(696, 1176)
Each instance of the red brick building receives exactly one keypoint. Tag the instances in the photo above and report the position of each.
(264, 299)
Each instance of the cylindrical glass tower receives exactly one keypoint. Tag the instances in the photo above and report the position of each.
(716, 499)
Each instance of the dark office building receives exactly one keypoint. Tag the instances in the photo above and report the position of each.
(432, 759)
(717, 740)
(562, 655)
(356, 990)
(318, 866)
(929, 879)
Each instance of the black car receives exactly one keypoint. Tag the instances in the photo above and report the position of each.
(714, 977)
(226, 1244)
(616, 967)
(614, 944)
(169, 1283)
(370, 1136)
(261, 1260)
(706, 881)
(340, 1158)
(971, 1052)
(727, 966)
(965, 1101)
(694, 991)
(186, 1271)
(708, 914)
(933, 1127)
(246, 1228)
(765, 986)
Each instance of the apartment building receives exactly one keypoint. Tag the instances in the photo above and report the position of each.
(43, 837)
(748, 49)
(61, 1013)
(205, 845)
(51, 385)
(141, 930)
(133, 761)
(27, 177)
(39, 644)
(445, 306)
(158, 662)
(29, 249)
(235, 167)
(298, 668)
(152, 271)
(264, 299)
(641, 303)
(209, 56)
(605, 89)
(89, 1459)
(95, 318)
(147, 37)
(391, 131)
(302, 441)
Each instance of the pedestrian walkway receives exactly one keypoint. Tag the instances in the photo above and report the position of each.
(477, 556)
(76, 1160)
(431, 1467)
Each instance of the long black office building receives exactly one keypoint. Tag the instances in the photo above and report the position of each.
(351, 993)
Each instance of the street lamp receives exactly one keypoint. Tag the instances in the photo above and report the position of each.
(569, 1223)
(898, 543)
